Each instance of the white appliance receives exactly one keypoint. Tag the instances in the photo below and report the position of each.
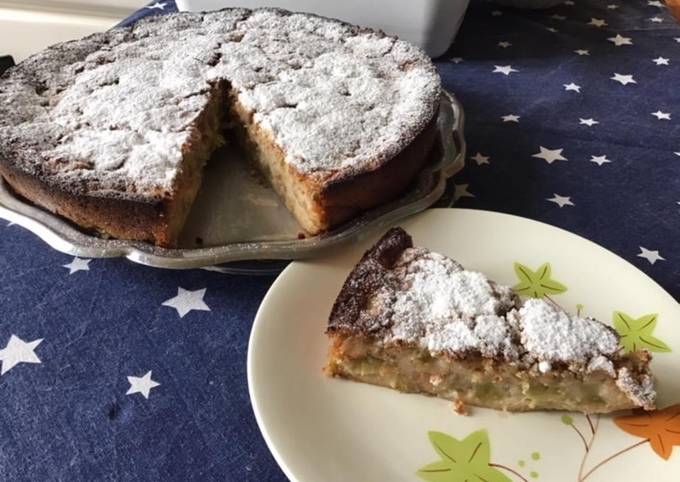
(28, 26)
(431, 24)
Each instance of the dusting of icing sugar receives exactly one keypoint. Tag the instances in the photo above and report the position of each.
(550, 334)
(448, 309)
(120, 109)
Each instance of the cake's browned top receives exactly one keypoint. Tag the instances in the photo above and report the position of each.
(400, 294)
(109, 115)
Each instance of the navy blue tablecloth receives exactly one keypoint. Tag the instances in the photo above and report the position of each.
(114, 371)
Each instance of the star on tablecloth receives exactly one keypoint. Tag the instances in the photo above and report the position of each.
(597, 22)
(142, 385)
(18, 351)
(599, 160)
(650, 255)
(588, 122)
(510, 118)
(550, 155)
(504, 45)
(504, 69)
(619, 40)
(480, 159)
(656, 19)
(461, 191)
(561, 201)
(456, 60)
(573, 87)
(157, 5)
(662, 115)
(78, 264)
(582, 52)
(187, 300)
(661, 61)
(623, 79)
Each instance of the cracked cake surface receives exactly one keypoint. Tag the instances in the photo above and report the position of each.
(403, 296)
(111, 115)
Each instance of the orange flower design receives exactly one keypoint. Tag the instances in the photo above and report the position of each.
(661, 428)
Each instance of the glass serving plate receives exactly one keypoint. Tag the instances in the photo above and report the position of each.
(237, 218)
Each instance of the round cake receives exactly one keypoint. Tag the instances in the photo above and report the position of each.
(113, 131)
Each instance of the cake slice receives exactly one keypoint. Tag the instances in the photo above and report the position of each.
(416, 321)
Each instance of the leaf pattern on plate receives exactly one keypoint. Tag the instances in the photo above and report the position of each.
(461, 460)
(660, 428)
(636, 333)
(536, 284)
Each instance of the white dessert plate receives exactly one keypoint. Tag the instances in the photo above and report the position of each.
(322, 429)
(238, 218)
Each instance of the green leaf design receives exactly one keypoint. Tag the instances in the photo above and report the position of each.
(536, 284)
(636, 334)
(461, 460)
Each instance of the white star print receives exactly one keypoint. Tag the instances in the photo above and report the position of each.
(572, 86)
(620, 40)
(582, 52)
(599, 160)
(677, 153)
(480, 159)
(550, 155)
(78, 264)
(141, 385)
(612, 6)
(587, 122)
(510, 118)
(157, 5)
(460, 191)
(503, 69)
(651, 256)
(655, 3)
(18, 351)
(596, 22)
(504, 45)
(187, 300)
(624, 79)
(656, 19)
(558, 17)
(552, 29)
(561, 201)
(661, 115)
(677, 39)
(456, 60)
(660, 61)
(496, 13)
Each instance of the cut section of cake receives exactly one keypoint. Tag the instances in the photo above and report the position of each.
(113, 131)
(416, 321)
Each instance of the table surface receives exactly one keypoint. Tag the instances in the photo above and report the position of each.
(572, 119)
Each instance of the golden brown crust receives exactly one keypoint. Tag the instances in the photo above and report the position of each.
(343, 198)
(118, 218)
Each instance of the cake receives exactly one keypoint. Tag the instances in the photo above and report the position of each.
(416, 321)
(113, 131)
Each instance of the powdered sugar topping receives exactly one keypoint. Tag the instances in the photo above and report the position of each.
(333, 97)
(549, 333)
(447, 309)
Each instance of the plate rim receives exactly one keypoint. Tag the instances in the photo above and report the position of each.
(280, 280)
